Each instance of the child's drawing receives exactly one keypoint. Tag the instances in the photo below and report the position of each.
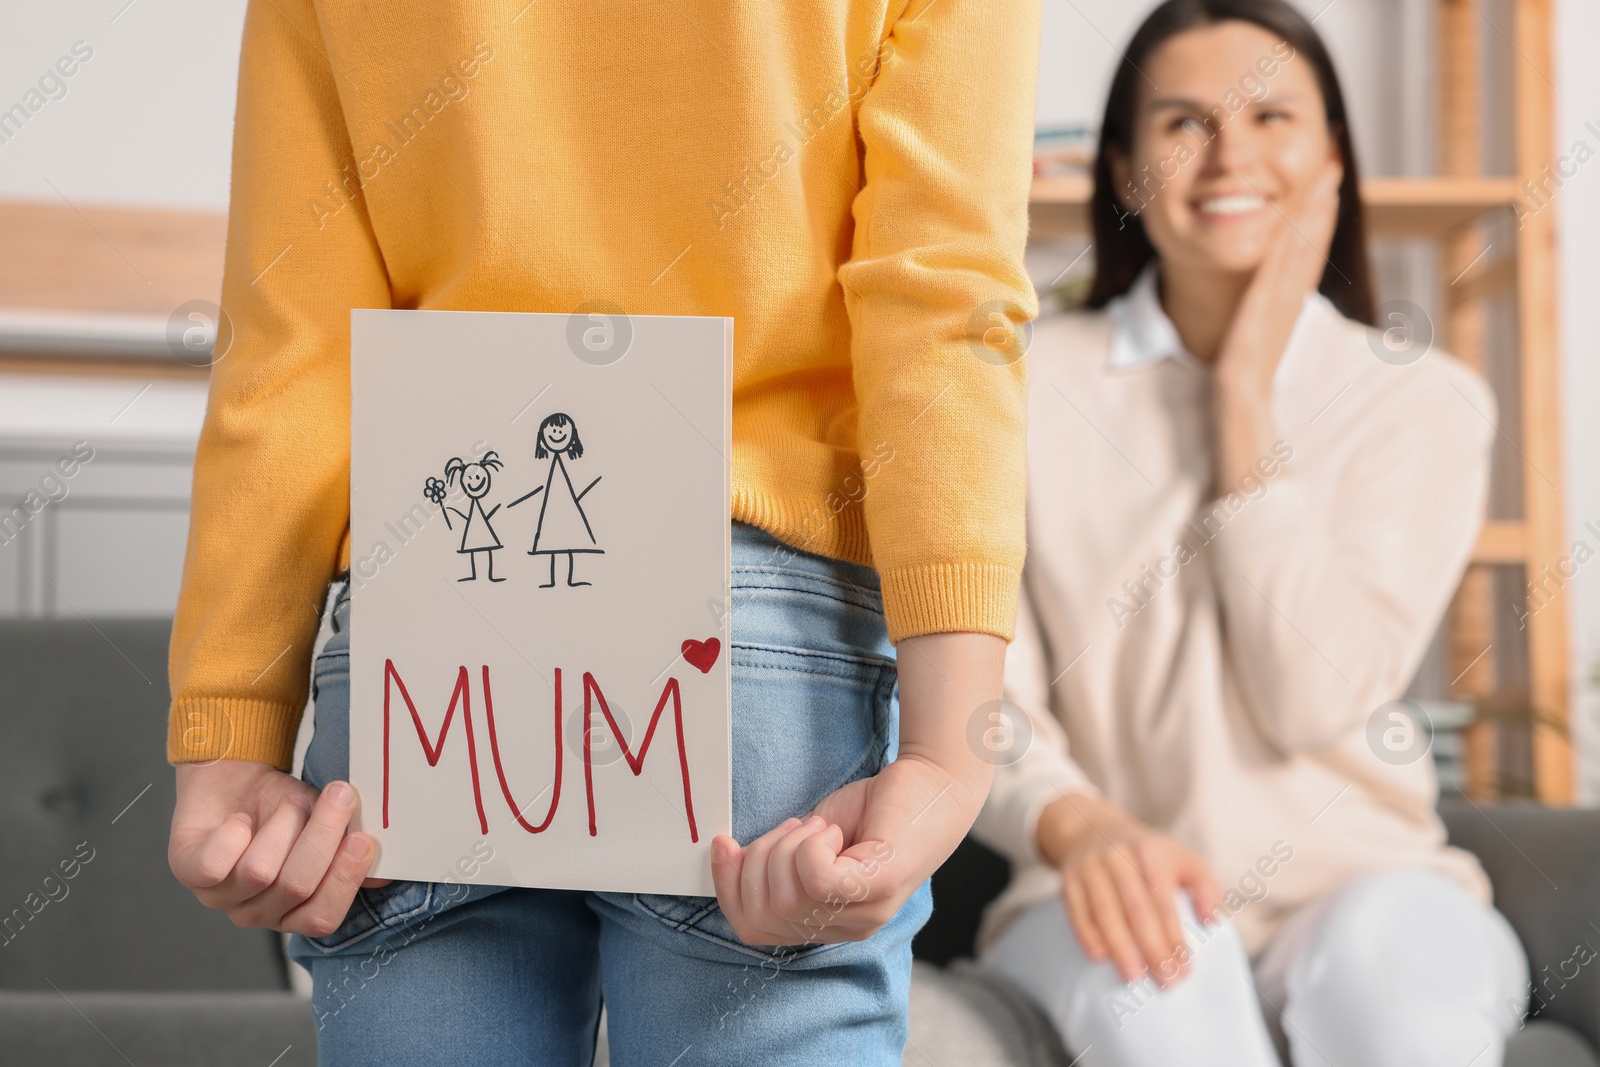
(476, 533)
(563, 527)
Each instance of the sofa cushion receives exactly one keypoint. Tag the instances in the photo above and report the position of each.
(86, 799)
(962, 1016)
(1546, 1044)
(174, 1029)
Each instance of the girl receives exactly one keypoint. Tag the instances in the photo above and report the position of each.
(477, 535)
(648, 159)
(563, 526)
(1246, 526)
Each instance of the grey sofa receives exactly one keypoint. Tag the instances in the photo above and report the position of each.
(104, 959)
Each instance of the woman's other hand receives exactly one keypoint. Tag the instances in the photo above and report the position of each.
(1120, 879)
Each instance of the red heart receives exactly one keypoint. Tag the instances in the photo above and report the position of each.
(702, 654)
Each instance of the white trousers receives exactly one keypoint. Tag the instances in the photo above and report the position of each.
(1398, 967)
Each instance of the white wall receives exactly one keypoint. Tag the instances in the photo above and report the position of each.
(1375, 43)
(146, 120)
(1578, 221)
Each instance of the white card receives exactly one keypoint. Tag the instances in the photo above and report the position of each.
(589, 451)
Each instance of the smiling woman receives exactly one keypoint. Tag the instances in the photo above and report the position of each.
(1229, 708)
(1251, 89)
(1272, 81)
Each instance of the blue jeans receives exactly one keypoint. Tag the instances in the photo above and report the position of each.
(452, 972)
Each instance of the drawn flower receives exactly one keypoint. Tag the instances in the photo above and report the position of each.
(434, 490)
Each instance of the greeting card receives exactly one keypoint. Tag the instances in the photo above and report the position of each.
(539, 677)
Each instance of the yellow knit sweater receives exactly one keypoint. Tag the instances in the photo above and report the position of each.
(848, 180)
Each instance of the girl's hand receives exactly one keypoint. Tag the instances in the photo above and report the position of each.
(838, 875)
(844, 871)
(267, 848)
(1291, 270)
(1119, 879)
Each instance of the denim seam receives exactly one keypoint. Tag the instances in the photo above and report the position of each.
(800, 577)
(333, 668)
(378, 922)
(678, 924)
(738, 946)
(874, 607)
(822, 573)
(744, 655)
(826, 573)
(752, 655)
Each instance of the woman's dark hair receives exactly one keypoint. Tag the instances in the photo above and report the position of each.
(1121, 246)
(574, 446)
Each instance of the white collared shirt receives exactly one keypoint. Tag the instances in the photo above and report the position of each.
(1142, 333)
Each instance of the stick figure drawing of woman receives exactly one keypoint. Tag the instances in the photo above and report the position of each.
(563, 527)
(476, 534)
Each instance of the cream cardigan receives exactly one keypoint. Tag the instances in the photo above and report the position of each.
(1216, 665)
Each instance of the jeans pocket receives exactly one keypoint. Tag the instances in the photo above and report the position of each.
(805, 724)
(397, 904)
(702, 918)
(327, 757)
(330, 663)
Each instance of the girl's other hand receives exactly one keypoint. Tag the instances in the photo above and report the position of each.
(267, 848)
(844, 871)
(828, 877)
(1119, 881)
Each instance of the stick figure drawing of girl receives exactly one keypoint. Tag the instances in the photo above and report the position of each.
(476, 535)
(563, 527)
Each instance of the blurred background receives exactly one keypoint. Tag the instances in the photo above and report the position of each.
(1476, 122)
(113, 200)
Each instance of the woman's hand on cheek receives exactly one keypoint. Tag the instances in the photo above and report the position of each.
(1299, 255)
(1291, 270)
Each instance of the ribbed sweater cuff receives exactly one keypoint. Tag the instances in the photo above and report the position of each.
(951, 598)
(203, 729)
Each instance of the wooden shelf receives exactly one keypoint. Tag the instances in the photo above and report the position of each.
(113, 260)
(1501, 542)
(122, 260)
(1397, 208)
(87, 288)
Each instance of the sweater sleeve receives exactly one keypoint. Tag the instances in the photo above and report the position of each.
(1331, 592)
(936, 268)
(1035, 767)
(270, 502)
